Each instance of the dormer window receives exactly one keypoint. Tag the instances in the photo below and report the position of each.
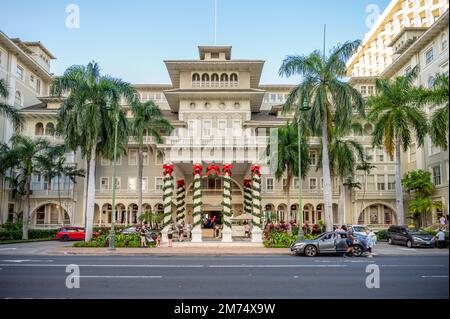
(215, 55)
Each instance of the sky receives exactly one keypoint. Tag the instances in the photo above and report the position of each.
(131, 39)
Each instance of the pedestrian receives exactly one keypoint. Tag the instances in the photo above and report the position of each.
(158, 240)
(181, 231)
(247, 229)
(170, 234)
(143, 233)
(371, 242)
(442, 221)
(441, 238)
(350, 241)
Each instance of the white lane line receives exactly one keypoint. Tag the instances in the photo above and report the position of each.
(277, 266)
(115, 266)
(126, 277)
(434, 276)
(413, 265)
(8, 248)
(26, 260)
(408, 249)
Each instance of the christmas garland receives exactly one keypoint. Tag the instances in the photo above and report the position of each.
(181, 195)
(197, 198)
(256, 195)
(248, 196)
(167, 194)
(226, 203)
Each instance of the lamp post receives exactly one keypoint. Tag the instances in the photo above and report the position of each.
(305, 107)
(112, 234)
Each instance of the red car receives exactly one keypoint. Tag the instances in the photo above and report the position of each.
(72, 233)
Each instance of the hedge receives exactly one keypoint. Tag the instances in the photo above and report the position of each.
(32, 234)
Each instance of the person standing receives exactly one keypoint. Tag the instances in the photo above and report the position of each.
(170, 234)
(143, 233)
(247, 229)
(443, 221)
(371, 242)
(350, 241)
(441, 238)
(181, 231)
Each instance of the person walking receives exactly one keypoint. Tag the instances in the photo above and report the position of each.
(441, 238)
(181, 231)
(170, 234)
(143, 234)
(350, 241)
(371, 242)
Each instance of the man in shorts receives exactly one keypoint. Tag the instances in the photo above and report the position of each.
(350, 241)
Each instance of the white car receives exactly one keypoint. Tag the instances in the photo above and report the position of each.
(359, 229)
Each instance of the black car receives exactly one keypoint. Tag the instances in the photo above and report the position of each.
(409, 237)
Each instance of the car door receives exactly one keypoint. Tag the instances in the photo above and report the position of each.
(403, 236)
(327, 243)
(394, 234)
(341, 242)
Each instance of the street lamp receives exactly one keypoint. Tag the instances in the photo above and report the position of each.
(112, 234)
(305, 107)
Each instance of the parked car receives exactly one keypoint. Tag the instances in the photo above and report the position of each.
(72, 233)
(409, 237)
(360, 229)
(130, 230)
(329, 242)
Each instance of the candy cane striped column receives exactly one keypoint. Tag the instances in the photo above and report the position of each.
(181, 204)
(256, 210)
(167, 199)
(197, 204)
(226, 233)
(248, 196)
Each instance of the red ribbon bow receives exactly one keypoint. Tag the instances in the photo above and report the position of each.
(227, 169)
(180, 183)
(256, 170)
(247, 182)
(168, 169)
(211, 169)
(198, 169)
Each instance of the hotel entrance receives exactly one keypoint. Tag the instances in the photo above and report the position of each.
(212, 225)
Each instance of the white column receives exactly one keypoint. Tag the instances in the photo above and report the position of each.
(167, 199)
(197, 204)
(226, 233)
(256, 211)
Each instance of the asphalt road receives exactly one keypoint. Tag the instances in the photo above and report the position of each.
(32, 276)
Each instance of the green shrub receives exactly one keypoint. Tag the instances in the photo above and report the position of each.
(121, 241)
(382, 234)
(279, 239)
(32, 234)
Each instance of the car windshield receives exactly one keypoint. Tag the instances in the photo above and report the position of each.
(418, 232)
(360, 229)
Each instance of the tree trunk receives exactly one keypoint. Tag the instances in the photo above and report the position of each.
(91, 194)
(61, 213)
(327, 195)
(288, 193)
(341, 205)
(85, 196)
(26, 209)
(398, 184)
(139, 186)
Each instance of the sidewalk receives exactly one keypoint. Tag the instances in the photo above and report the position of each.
(229, 249)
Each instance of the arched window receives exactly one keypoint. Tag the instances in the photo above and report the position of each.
(205, 79)
(18, 99)
(196, 79)
(39, 129)
(444, 42)
(49, 129)
(224, 79)
(234, 79)
(215, 80)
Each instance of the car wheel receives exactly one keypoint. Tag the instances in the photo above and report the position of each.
(409, 244)
(310, 251)
(390, 241)
(357, 251)
(64, 238)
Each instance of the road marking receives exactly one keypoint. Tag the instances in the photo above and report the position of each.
(277, 266)
(127, 277)
(115, 266)
(8, 248)
(435, 276)
(26, 260)
(414, 265)
(408, 249)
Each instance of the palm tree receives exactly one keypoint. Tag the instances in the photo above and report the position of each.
(147, 118)
(87, 119)
(344, 153)
(438, 96)
(331, 99)
(9, 111)
(422, 206)
(287, 160)
(396, 112)
(365, 167)
(52, 164)
(24, 157)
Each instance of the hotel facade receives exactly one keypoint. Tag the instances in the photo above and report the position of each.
(222, 115)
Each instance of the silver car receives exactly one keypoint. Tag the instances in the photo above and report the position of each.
(329, 243)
